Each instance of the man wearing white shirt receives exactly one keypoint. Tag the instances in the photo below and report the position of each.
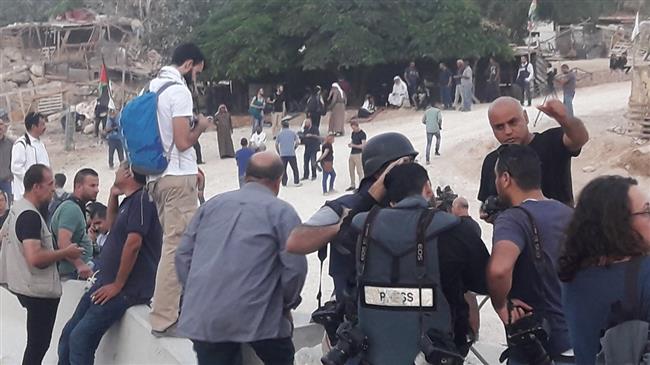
(258, 140)
(28, 150)
(525, 76)
(175, 191)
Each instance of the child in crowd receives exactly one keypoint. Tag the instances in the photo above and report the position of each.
(327, 162)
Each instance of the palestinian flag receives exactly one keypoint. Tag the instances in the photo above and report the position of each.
(532, 15)
(104, 91)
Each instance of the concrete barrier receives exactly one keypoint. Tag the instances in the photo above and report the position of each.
(127, 342)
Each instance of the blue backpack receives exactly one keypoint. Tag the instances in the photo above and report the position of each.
(142, 139)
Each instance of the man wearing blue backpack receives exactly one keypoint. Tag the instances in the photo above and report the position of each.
(174, 191)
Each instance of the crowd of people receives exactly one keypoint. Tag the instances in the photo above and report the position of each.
(230, 271)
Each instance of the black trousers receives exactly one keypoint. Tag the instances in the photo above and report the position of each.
(309, 161)
(41, 314)
(291, 160)
(115, 145)
(272, 352)
(315, 120)
(98, 121)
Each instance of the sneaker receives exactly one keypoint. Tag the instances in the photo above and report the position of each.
(297, 184)
(304, 178)
(325, 193)
(333, 191)
(437, 153)
(313, 178)
(427, 162)
(169, 332)
(351, 188)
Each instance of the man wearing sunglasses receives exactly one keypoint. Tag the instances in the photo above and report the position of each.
(555, 146)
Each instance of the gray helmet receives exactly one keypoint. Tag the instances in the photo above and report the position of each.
(384, 148)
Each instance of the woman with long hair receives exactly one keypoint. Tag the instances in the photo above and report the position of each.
(256, 109)
(608, 235)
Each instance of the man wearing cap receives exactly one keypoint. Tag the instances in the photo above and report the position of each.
(5, 156)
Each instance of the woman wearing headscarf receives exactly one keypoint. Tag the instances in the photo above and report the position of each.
(400, 93)
(337, 106)
(224, 131)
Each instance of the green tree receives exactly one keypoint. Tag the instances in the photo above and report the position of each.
(248, 38)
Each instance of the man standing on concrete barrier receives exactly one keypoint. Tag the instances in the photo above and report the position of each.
(28, 261)
(175, 191)
(232, 264)
(126, 269)
(28, 150)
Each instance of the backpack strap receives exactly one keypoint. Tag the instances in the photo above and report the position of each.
(365, 239)
(162, 89)
(420, 238)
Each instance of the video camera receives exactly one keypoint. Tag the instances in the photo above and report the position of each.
(439, 348)
(492, 206)
(444, 199)
(525, 340)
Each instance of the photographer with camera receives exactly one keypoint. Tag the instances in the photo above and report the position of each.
(331, 224)
(414, 263)
(555, 147)
(521, 275)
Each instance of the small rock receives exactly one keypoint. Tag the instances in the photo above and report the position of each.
(13, 54)
(12, 85)
(645, 150)
(89, 129)
(588, 169)
(627, 167)
(37, 70)
(640, 141)
(19, 77)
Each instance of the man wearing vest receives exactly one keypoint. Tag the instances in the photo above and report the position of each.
(68, 224)
(409, 246)
(175, 190)
(28, 150)
(28, 261)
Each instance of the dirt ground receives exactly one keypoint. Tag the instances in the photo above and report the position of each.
(466, 139)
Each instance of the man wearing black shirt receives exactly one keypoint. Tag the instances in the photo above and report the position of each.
(555, 147)
(279, 108)
(356, 147)
(311, 140)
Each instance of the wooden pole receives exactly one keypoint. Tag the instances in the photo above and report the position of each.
(69, 125)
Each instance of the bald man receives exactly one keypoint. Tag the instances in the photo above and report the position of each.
(555, 146)
(232, 260)
(460, 208)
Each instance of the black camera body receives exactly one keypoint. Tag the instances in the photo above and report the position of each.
(439, 349)
(330, 316)
(351, 342)
(492, 206)
(526, 339)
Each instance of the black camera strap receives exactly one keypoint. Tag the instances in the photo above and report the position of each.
(322, 255)
(539, 263)
(365, 239)
(420, 238)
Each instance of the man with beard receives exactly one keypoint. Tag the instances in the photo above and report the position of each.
(69, 225)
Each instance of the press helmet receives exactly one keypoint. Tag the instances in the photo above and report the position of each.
(384, 148)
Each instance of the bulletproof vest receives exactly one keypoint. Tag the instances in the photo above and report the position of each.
(400, 292)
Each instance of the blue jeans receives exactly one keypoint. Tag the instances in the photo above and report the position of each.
(568, 102)
(82, 333)
(276, 351)
(445, 96)
(332, 176)
(429, 139)
(466, 91)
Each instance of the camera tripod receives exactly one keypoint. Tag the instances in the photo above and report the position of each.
(553, 94)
